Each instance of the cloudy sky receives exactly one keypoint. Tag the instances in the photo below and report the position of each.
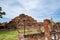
(38, 9)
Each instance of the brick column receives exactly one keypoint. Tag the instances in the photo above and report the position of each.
(47, 31)
(39, 37)
(20, 35)
(30, 38)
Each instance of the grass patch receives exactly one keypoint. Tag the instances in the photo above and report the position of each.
(8, 35)
(12, 35)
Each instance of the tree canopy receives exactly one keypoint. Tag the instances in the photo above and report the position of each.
(1, 13)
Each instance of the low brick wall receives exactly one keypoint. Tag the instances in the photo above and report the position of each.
(35, 36)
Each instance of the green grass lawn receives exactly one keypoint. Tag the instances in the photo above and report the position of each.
(12, 35)
(8, 35)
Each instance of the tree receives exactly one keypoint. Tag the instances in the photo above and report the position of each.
(1, 13)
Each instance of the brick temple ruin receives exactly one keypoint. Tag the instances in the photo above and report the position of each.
(46, 35)
(44, 29)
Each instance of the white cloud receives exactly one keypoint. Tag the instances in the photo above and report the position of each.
(12, 11)
(29, 4)
(48, 6)
(33, 8)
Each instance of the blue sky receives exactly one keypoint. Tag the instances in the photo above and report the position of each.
(38, 9)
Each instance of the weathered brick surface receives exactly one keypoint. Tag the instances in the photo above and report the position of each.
(47, 31)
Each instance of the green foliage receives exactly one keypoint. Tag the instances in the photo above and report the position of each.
(57, 22)
(1, 13)
(0, 9)
(42, 29)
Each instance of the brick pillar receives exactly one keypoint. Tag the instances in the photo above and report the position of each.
(39, 37)
(20, 35)
(30, 37)
(34, 37)
(47, 31)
